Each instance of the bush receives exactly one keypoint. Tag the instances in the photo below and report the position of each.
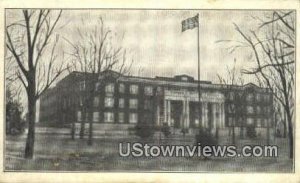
(166, 130)
(144, 130)
(205, 138)
(15, 125)
(251, 133)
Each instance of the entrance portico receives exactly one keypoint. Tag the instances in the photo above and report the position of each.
(181, 109)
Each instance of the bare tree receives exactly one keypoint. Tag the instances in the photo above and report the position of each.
(234, 97)
(27, 40)
(272, 45)
(93, 53)
(11, 80)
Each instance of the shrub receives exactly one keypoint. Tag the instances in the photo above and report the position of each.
(205, 138)
(184, 131)
(15, 125)
(166, 130)
(251, 133)
(144, 130)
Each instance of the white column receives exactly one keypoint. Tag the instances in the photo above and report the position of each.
(165, 110)
(157, 114)
(223, 115)
(202, 114)
(187, 113)
(169, 112)
(220, 115)
(183, 113)
(205, 118)
(214, 110)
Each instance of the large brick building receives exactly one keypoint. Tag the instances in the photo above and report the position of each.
(121, 99)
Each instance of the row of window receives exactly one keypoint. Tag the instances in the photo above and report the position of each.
(250, 97)
(133, 89)
(133, 103)
(110, 88)
(260, 122)
(250, 109)
(110, 118)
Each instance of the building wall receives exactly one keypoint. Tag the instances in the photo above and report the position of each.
(64, 104)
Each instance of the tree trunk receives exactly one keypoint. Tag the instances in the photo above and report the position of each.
(233, 135)
(90, 140)
(82, 125)
(90, 110)
(90, 118)
(29, 148)
(291, 134)
(284, 125)
(242, 132)
(268, 133)
(73, 130)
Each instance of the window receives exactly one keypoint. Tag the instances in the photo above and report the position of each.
(95, 116)
(231, 95)
(133, 103)
(184, 78)
(110, 88)
(231, 108)
(231, 121)
(267, 98)
(249, 97)
(96, 101)
(250, 110)
(266, 110)
(264, 122)
(267, 122)
(109, 102)
(97, 86)
(79, 116)
(258, 97)
(258, 122)
(108, 117)
(270, 122)
(80, 101)
(249, 121)
(148, 90)
(121, 88)
(82, 85)
(121, 103)
(133, 118)
(64, 103)
(147, 104)
(87, 116)
(121, 117)
(134, 89)
(258, 109)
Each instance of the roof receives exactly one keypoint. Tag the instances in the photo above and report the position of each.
(169, 81)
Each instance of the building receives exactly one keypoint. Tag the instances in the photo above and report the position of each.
(121, 99)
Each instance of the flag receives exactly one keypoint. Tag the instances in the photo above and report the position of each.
(190, 23)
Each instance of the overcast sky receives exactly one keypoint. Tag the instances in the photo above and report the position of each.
(156, 43)
(158, 46)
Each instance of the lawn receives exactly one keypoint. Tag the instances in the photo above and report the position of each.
(58, 152)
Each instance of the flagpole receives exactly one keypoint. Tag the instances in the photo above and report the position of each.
(199, 94)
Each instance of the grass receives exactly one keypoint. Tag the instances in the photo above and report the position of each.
(59, 153)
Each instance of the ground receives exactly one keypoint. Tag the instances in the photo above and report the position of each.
(56, 151)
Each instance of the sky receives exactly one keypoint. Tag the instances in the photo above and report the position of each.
(159, 48)
(154, 40)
